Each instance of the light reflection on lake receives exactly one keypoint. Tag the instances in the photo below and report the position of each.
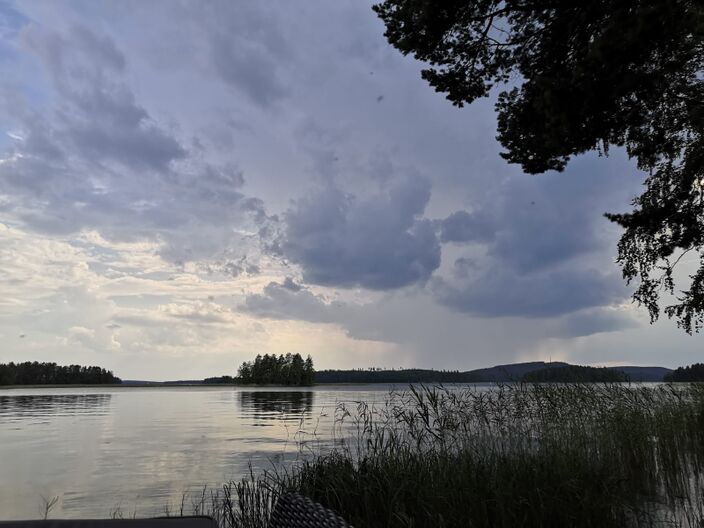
(139, 449)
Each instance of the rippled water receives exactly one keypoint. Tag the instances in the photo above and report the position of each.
(140, 449)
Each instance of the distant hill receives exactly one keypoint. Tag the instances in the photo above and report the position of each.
(499, 373)
(512, 371)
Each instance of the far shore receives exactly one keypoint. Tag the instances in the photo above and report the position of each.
(161, 384)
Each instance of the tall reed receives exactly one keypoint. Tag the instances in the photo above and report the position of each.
(582, 455)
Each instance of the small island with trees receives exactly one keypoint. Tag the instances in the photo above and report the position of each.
(290, 370)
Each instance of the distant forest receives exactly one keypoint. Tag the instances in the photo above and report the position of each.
(575, 374)
(514, 372)
(373, 375)
(35, 373)
(691, 373)
(290, 369)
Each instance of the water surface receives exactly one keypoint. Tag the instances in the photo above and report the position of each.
(100, 449)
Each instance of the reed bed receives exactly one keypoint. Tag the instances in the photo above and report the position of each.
(582, 455)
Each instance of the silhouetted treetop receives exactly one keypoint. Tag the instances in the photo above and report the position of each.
(582, 76)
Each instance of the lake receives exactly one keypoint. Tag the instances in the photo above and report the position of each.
(136, 449)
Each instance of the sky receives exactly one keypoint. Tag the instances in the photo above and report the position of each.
(184, 185)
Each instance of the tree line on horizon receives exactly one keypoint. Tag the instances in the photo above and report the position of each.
(518, 372)
(36, 373)
(575, 374)
(693, 372)
(377, 375)
(290, 369)
(219, 380)
(411, 375)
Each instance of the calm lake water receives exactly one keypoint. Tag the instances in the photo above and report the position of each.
(139, 449)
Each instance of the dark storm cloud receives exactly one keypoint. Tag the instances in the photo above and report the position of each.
(542, 236)
(500, 292)
(596, 321)
(548, 219)
(539, 239)
(540, 232)
(378, 242)
(462, 226)
(289, 300)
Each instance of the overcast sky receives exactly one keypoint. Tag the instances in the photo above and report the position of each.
(184, 185)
